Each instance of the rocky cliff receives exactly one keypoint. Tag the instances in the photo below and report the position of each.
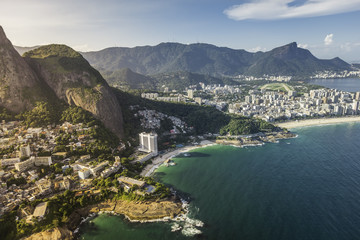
(54, 72)
(19, 85)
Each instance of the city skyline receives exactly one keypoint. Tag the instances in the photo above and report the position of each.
(326, 27)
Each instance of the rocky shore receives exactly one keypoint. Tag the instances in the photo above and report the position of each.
(133, 211)
(145, 211)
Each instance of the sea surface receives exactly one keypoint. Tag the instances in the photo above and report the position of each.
(302, 188)
(344, 84)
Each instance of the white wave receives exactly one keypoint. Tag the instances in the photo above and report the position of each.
(176, 227)
(190, 231)
(194, 222)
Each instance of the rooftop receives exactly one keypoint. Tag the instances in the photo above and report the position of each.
(40, 209)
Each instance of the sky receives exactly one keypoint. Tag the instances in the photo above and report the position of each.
(328, 28)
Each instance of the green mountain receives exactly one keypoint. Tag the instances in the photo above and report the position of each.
(211, 60)
(55, 73)
(126, 79)
(293, 61)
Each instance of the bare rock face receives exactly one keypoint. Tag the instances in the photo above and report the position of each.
(101, 102)
(18, 82)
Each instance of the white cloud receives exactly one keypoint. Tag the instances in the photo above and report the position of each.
(82, 48)
(282, 9)
(329, 39)
(303, 45)
(257, 49)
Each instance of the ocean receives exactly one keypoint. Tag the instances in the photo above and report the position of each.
(302, 188)
(344, 84)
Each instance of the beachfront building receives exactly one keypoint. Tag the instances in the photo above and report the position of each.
(148, 143)
(131, 181)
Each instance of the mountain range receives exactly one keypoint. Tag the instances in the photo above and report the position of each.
(289, 60)
(55, 73)
(127, 79)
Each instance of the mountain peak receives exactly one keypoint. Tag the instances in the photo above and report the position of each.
(292, 45)
(53, 50)
(3, 38)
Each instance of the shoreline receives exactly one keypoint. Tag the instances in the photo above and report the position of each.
(159, 160)
(317, 122)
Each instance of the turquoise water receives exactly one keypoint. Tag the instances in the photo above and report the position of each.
(302, 188)
(344, 84)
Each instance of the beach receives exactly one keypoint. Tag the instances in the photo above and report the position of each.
(319, 121)
(157, 161)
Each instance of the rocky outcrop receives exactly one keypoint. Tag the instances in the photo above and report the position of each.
(134, 211)
(52, 234)
(143, 211)
(73, 80)
(54, 72)
(19, 85)
(101, 102)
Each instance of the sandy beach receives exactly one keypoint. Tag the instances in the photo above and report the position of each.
(320, 121)
(157, 161)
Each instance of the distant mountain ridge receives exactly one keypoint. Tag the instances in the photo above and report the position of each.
(22, 50)
(212, 60)
(126, 79)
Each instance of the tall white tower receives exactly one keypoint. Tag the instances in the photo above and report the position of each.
(355, 107)
(148, 143)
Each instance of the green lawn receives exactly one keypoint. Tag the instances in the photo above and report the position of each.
(277, 86)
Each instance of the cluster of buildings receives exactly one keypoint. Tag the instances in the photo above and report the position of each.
(173, 97)
(102, 169)
(264, 78)
(151, 119)
(25, 172)
(272, 105)
(216, 91)
(330, 74)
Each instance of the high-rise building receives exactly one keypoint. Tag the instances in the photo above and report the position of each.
(190, 93)
(25, 151)
(148, 142)
(355, 107)
(357, 96)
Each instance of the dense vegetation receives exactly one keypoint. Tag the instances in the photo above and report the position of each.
(6, 114)
(44, 114)
(41, 115)
(53, 50)
(203, 119)
(60, 58)
(243, 125)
